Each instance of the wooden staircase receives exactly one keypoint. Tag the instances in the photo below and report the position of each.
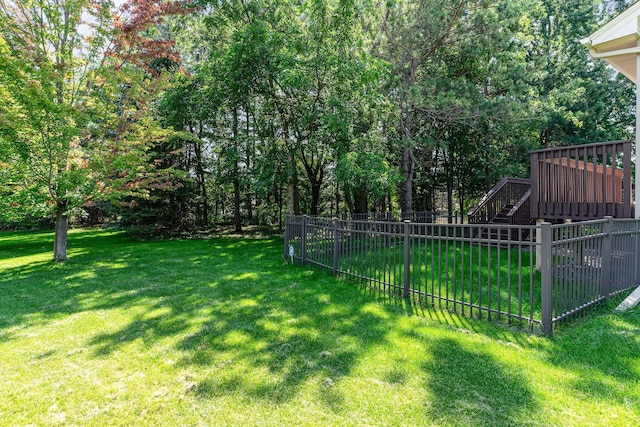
(502, 233)
(506, 204)
(502, 217)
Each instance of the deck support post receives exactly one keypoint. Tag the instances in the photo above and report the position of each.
(637, 187)
(545, 248)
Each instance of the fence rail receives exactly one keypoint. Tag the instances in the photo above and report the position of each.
(437, 217)
(478, 270)
(592, 261)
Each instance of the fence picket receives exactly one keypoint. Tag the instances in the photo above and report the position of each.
(407, 261)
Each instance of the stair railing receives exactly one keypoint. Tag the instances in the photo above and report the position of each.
(520, 213)
(508, 191)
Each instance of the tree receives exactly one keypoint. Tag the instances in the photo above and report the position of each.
(577, 99)
(455, 85)
(72, 98)
(474, 105)
(186, 108)
(413, 33)
(309, 102)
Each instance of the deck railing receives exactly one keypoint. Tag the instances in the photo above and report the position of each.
(520, 213)
(582, 182)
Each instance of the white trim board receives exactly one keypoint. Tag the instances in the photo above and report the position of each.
(631, 301)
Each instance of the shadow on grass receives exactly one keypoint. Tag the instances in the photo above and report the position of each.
(514, 332)
(34, 288)
(260, 335)
(261, 329)
(229, 307)
(288, 340)
(471, 388)
(603, 349)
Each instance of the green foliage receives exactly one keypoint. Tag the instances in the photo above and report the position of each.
(299, 106)
(450, 97)
(159, 204)
(78, 118)
(365, 174)
(572, 92)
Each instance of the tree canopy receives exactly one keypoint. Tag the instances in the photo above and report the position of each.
(77, 79)
(181, 115)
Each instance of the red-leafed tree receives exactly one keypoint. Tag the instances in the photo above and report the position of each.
(76, 81)
(133, 43)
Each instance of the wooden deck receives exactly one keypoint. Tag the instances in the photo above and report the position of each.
(582, 182)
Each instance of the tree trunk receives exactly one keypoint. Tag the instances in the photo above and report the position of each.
(249, 156)
(360, 202)
(407, 113)
(449, 196)
(197, 149)
(315, 174)
(407, 185)
(316, 186)
(350, 203)
(62, 225)
(293, 194)
(293, 198)
(315, 197)
(236, 178)
(237, 219)
(337, 201)
(216, 193)
(543, 138)
(280, 204)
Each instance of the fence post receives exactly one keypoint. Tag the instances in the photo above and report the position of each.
(407, 261)
(286, 238)
(303, 243)
(637, 252)
(336, 246)
(605, 271)
(546, 276)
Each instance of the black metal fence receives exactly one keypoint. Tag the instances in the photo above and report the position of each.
(534, 275)
(588, 262)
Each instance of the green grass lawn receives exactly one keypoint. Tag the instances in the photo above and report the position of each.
(502, 279)
(221, 332)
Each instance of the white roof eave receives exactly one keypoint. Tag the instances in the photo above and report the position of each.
(617, 42)
(623, 25)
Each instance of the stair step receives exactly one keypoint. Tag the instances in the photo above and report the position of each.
(506, 191)
(502, 217)
(500, 220)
